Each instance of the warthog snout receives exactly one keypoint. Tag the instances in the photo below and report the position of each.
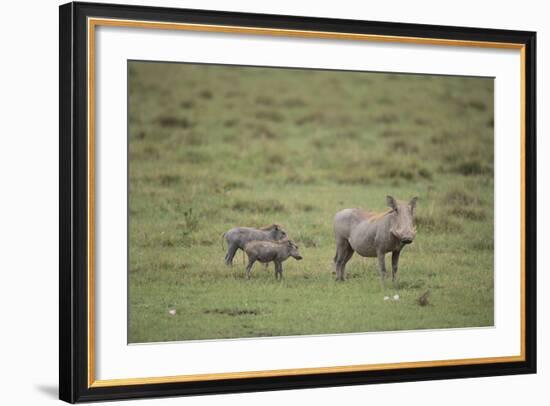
(293, 251)
(406, 237)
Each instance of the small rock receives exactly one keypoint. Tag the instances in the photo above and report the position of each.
(386, 298)
(172, 312)
(395, 297)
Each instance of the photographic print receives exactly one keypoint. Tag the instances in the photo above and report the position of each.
(267, 201)
(255, 202)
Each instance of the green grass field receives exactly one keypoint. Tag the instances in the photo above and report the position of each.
(213, 147)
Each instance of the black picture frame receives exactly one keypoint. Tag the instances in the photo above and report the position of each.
(74, 199)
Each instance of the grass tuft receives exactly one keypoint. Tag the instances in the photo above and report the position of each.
(173, 122)
(261, 206)
(471, 168)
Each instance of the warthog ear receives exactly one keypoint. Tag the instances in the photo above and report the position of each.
(390, 201)
(412, 203)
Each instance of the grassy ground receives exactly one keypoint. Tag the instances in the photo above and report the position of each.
(216, 147)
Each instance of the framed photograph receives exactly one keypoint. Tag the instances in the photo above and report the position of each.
(258, 202)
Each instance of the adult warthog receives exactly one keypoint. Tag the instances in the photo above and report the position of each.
(238, 237)
(373, 234)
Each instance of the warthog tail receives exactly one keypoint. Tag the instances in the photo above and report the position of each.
(223, 237)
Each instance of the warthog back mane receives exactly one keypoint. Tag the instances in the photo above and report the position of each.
(270, 227)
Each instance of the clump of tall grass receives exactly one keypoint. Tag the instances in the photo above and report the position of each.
(270, 115)
(187, 104)
(149, 152)
(483, 244)
(293, 102)
(305, 207)
(477, 105)
(259, 206)
(457, 196)
(265, 101)
(404, 171)
(300, 179)
(464, 205)
(205, 94)
(471, 167)
(352, 178)
(190, 138)
(386, 118)
(402, 146)
(468, 213)
(194, 156)
(168, 179)
(263, 131)
(311, 118)
(437, 224)
(172, 121)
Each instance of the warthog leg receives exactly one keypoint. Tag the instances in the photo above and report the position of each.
(249, 267)
(382, 267)
(343, 254)
(278, 270)
(231, 249)
(394, 265)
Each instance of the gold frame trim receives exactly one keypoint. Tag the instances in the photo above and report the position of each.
(94, 22)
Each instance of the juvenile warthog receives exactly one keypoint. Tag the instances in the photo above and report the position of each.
(271, 251)
(238, 237)
(374, 234)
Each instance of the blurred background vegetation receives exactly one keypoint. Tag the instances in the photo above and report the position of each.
(214, 147)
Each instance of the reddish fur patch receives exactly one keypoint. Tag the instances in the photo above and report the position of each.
(375, 216)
